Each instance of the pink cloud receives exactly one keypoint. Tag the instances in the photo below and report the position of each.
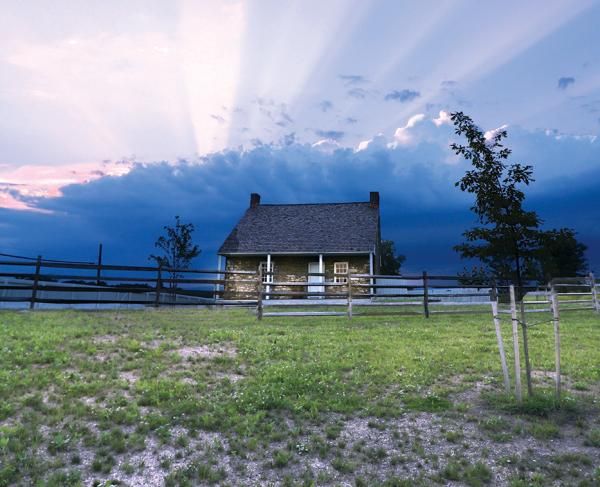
(19, 184)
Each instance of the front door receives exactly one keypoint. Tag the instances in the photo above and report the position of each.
(313, 267)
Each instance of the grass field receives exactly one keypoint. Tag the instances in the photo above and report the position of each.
(194, 397)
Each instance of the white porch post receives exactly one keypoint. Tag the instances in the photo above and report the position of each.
(269, 276)
(371, 272)
(321, 278)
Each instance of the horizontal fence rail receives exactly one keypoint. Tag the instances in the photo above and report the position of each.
(43, 283)
(426, 295)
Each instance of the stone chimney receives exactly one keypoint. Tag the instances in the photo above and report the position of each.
(254, 200)
(374, 199)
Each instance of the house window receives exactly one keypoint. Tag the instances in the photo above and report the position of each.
(340, 268)
(264, 271)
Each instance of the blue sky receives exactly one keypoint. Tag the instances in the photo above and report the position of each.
(117, 117)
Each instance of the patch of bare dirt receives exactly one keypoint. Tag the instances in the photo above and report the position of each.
(105, 339)
(207, 351)
(129, 376)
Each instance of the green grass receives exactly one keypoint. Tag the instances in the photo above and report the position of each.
(110, 382)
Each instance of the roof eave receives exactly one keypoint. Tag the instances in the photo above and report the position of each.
(254, 254)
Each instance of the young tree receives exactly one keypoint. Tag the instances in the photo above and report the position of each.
(390, 261)
(178, 249)
(507, 240)
(560, 254)
(476, 276)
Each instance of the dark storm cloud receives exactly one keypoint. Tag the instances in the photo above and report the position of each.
(353, 79)
(565, 82)
(421, 209)
(330, 134)
(325, 105)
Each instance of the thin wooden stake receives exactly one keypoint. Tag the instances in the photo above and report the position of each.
(515, 334)
(556, 321)
(425, 295)
(349, 296)
(501, 346)
(594, 292)
(526, 349)
(36, 280)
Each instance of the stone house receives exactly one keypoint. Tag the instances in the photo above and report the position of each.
(295, 240)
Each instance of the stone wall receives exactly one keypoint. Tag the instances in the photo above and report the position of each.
(290, 269)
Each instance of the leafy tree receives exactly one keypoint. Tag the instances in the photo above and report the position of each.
(507, 240)
(560, 254)
(476, 276)
(390, 261)
(178, 249)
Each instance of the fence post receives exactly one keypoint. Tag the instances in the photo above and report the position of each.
(556, 322)
(594, 292)
(515, 333)
(425, 295)
(99, 269)
(349, 295)
(500, 341)
(36, 280)
(158, 286)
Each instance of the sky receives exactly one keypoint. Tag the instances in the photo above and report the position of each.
(117, 116)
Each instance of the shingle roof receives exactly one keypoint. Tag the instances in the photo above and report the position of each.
(309, 228)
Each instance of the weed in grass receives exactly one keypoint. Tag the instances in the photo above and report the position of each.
(375, 455)
(64, 479)
(182, 441)
(58, 443)
(572, 459)
(196, 472)
(103, 462)
(454, 436)
(332, 431)
(428, 404)
(452, 471)
(281, 458)
(320, 446)
(477, 475)
(592, 438)
(165, 463)
(535, 480)
(343, 465)
(544, 430)
(398, 460)
(581, 386)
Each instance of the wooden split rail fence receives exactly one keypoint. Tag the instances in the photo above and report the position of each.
(370, 294)
(46, 283)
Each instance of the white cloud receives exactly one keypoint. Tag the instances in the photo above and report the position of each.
(326, 145)
(443, 118)
(403, 135)
(490, 134)
(379, 141)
